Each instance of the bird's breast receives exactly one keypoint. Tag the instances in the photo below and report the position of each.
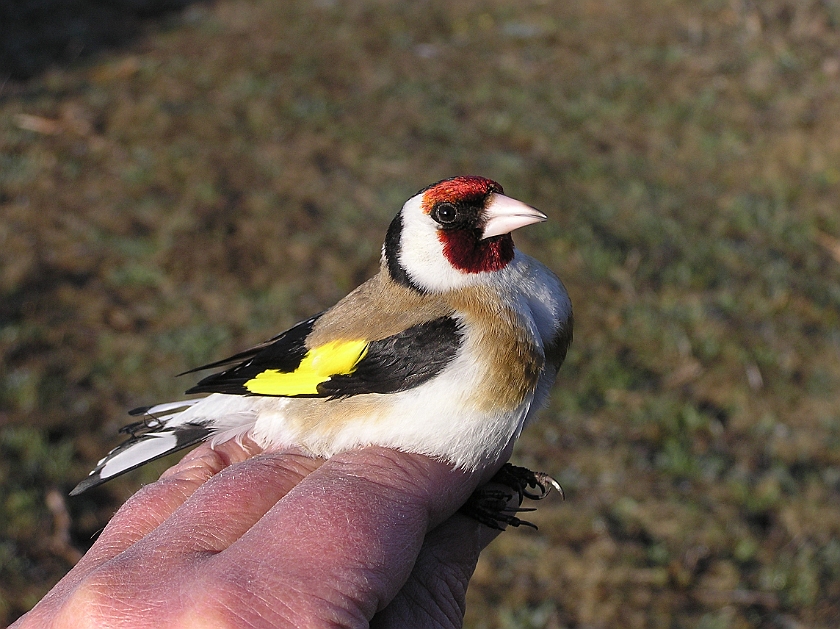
(502, 343)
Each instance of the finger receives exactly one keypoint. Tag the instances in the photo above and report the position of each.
(435, 593)
(220, 511)
(145, 511)
(154, 503)
(157, 569)
(339, 546)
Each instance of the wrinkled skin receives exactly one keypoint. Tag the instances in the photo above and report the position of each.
(235, 537)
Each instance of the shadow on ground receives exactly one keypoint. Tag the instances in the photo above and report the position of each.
(36, 34)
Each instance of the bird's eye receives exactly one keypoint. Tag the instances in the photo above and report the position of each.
(445, 213)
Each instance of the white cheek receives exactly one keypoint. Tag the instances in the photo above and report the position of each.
(421, 253)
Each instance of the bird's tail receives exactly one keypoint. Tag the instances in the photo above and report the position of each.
(163, 429)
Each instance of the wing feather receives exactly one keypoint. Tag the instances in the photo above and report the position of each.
(284, 353)
(400, 362)
(287, 368)
(289, 336)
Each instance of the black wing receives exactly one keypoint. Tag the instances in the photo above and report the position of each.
(400, 362)
(392, 364)
(292, 340)
(284, 353)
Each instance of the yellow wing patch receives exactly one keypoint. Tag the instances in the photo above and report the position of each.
(335, 358)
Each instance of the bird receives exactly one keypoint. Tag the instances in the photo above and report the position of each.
(448, 351)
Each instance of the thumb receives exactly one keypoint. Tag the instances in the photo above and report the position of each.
(434, 596)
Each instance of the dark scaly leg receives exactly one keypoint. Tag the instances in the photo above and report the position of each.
(489, 504)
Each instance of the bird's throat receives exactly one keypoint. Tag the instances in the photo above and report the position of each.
(468, 253)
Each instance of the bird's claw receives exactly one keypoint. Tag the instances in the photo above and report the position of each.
(489, 505)
(545, 483)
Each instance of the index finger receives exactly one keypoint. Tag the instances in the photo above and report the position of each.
(154, 503)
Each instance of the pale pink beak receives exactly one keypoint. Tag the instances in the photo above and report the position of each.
(505, 214)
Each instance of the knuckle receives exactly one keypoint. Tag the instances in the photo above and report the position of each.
(92, 604)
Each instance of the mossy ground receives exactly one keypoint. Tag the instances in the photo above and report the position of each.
(234, 171)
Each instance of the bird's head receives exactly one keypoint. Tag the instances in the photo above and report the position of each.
(454, 233)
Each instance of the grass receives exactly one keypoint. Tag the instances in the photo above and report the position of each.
(235, 170)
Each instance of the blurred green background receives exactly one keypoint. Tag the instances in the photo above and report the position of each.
(226, 170)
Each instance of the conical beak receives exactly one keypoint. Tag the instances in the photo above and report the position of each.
(505, 214)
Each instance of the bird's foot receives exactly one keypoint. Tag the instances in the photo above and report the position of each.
(490, 504)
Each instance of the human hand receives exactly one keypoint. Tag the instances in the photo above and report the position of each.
(234, 537)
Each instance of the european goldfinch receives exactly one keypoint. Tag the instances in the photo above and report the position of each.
(448, 351)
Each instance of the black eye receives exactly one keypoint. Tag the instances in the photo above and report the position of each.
(445, 213)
